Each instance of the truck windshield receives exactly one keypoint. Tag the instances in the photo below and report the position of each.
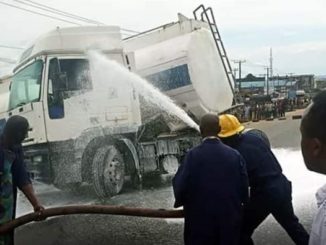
(26, 85)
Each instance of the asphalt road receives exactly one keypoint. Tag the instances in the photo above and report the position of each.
(100, 229)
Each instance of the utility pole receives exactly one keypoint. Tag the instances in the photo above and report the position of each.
(239, 62)
(235, 72)
(235, 76)
(291, 78)
(267, 79)
(271, 63)
(271, 68)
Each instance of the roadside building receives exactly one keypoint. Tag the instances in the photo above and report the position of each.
(283, 86)
(321, 83)
(251, 85)
(297, 82)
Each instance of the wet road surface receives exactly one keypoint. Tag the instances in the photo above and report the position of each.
(103, 229)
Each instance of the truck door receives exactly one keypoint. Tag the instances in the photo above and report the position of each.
(67, 81)
(26, 99)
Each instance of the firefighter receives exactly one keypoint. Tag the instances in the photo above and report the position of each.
(270, 191)
(211, 185)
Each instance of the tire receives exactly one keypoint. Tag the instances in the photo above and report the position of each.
(108, 171)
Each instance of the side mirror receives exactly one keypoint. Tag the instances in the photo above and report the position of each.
(60, 80)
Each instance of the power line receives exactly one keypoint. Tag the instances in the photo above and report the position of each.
(57, 11)
(38, 13)
(65, 14)
(279, 71)
(255, 64)
(56, 18)
(10, 47)
(240, 62)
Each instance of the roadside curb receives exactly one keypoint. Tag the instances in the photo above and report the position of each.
(295, 117)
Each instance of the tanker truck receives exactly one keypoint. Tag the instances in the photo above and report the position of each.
(117, 140)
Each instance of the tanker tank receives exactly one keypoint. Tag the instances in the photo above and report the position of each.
(182, 60)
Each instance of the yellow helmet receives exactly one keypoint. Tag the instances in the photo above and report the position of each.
(230, 126)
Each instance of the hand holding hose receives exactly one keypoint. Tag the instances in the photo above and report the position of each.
(39, 210)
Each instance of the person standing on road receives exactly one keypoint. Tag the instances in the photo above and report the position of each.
(211, 185)
(13, 173)
(313, 145)
(270, 191)
(247, 112)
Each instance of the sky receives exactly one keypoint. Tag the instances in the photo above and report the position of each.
(294, 29)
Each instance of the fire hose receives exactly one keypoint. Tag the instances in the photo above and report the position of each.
(90, 209)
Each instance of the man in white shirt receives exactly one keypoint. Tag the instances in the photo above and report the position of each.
(313, 145)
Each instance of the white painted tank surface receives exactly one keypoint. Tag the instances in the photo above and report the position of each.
(187, 67)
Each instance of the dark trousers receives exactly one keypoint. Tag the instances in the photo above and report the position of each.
(260, 206)
(222, 236)
(225, 231)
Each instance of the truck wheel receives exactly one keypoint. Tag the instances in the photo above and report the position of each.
(170, 164)
(108, 171)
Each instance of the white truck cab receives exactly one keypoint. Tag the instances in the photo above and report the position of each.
(52, 88)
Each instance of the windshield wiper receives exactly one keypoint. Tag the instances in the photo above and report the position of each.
(20, 104)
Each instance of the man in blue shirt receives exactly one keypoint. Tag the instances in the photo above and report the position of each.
(13, 172)
(211, 184)
(271, 192)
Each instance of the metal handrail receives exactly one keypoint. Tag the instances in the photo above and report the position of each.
(149, 31)
(206, 12)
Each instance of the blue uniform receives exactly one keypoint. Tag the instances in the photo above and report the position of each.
(19, 175)
(271, 192)
(211, 184)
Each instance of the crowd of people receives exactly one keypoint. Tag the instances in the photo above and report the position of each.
(263, 110)
(232, 181)
(268, 109)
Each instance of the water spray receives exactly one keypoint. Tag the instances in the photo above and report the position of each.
(105, 71)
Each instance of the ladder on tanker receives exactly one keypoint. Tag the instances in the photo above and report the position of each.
(206, 15)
